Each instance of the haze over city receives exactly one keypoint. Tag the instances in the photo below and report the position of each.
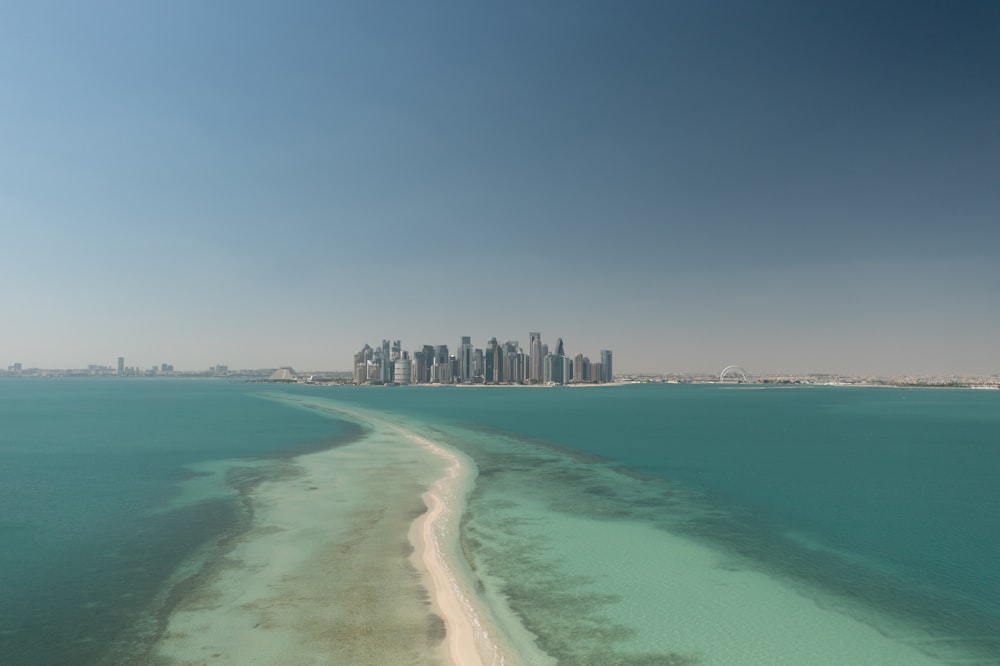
(793, 187)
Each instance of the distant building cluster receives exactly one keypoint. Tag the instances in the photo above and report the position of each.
(497, 363)
(119, 370)
(128, 371)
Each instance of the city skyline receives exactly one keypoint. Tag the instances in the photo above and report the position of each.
(791, 187)
(494, 363)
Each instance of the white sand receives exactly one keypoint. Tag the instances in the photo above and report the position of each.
(459, 619)
(469, 643)
(326, 575)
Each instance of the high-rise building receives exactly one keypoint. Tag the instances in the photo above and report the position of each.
(607, 375)
(443, 372)
(428, 362)
(490, 361)
(419, 364)
(578, 377)
(121, 365)
(515, 370)
(535, 357)
(558, 369)
(378, 371)
(465, 360)
(387, 366)
(478, 367)
(401, 372)
(362, 364)
(596, 372)
(441, 354)
(497, 363)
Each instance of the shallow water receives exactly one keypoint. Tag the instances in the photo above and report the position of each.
(324, 575)
(87, 469)
(847, 517)
(631, 525)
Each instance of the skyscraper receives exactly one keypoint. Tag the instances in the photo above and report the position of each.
(513, 368)
(596, 372)
(478, 367)
(578, 376)
(441, 354)
(441, 366)
(387, 366)
(402, 368)
(607, 375)
(121, 365)
(465, 360)
(490, 361)
(536, 368)
(362, 362)
(428, 362)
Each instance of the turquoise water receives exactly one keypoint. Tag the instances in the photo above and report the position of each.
(882, 502)
(86, 467)
(879, 505)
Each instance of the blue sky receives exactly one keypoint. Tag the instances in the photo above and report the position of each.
(794, 187)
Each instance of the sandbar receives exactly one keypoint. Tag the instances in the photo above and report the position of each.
(344, 563)
(461, 632)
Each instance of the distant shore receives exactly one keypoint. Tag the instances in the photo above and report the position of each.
(530, 386)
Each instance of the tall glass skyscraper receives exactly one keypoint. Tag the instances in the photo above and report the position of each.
(537, 357)
(606, 374)
(465, 360)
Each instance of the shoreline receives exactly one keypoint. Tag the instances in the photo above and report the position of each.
(497, 386)
(461, 635)
(378, 531)
(468, 643)
(350, 558)
(328, 571)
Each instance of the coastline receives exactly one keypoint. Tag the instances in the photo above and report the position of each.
(646, 587)
(347, 559)
(463, 638)
(541, 533)
(504, 386)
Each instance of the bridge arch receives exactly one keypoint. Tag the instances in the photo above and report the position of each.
(735, 372)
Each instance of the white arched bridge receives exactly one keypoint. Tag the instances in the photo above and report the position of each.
(734, 372)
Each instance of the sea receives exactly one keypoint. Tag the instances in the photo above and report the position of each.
(636, 524)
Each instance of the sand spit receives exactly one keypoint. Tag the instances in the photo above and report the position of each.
(465, 636)
(344, 564)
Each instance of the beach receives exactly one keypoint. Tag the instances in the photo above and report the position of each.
(464, 633)
(327, 571)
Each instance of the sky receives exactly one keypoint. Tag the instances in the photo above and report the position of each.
(789, 186)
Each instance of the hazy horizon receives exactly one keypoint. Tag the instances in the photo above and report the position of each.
(787, 186)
